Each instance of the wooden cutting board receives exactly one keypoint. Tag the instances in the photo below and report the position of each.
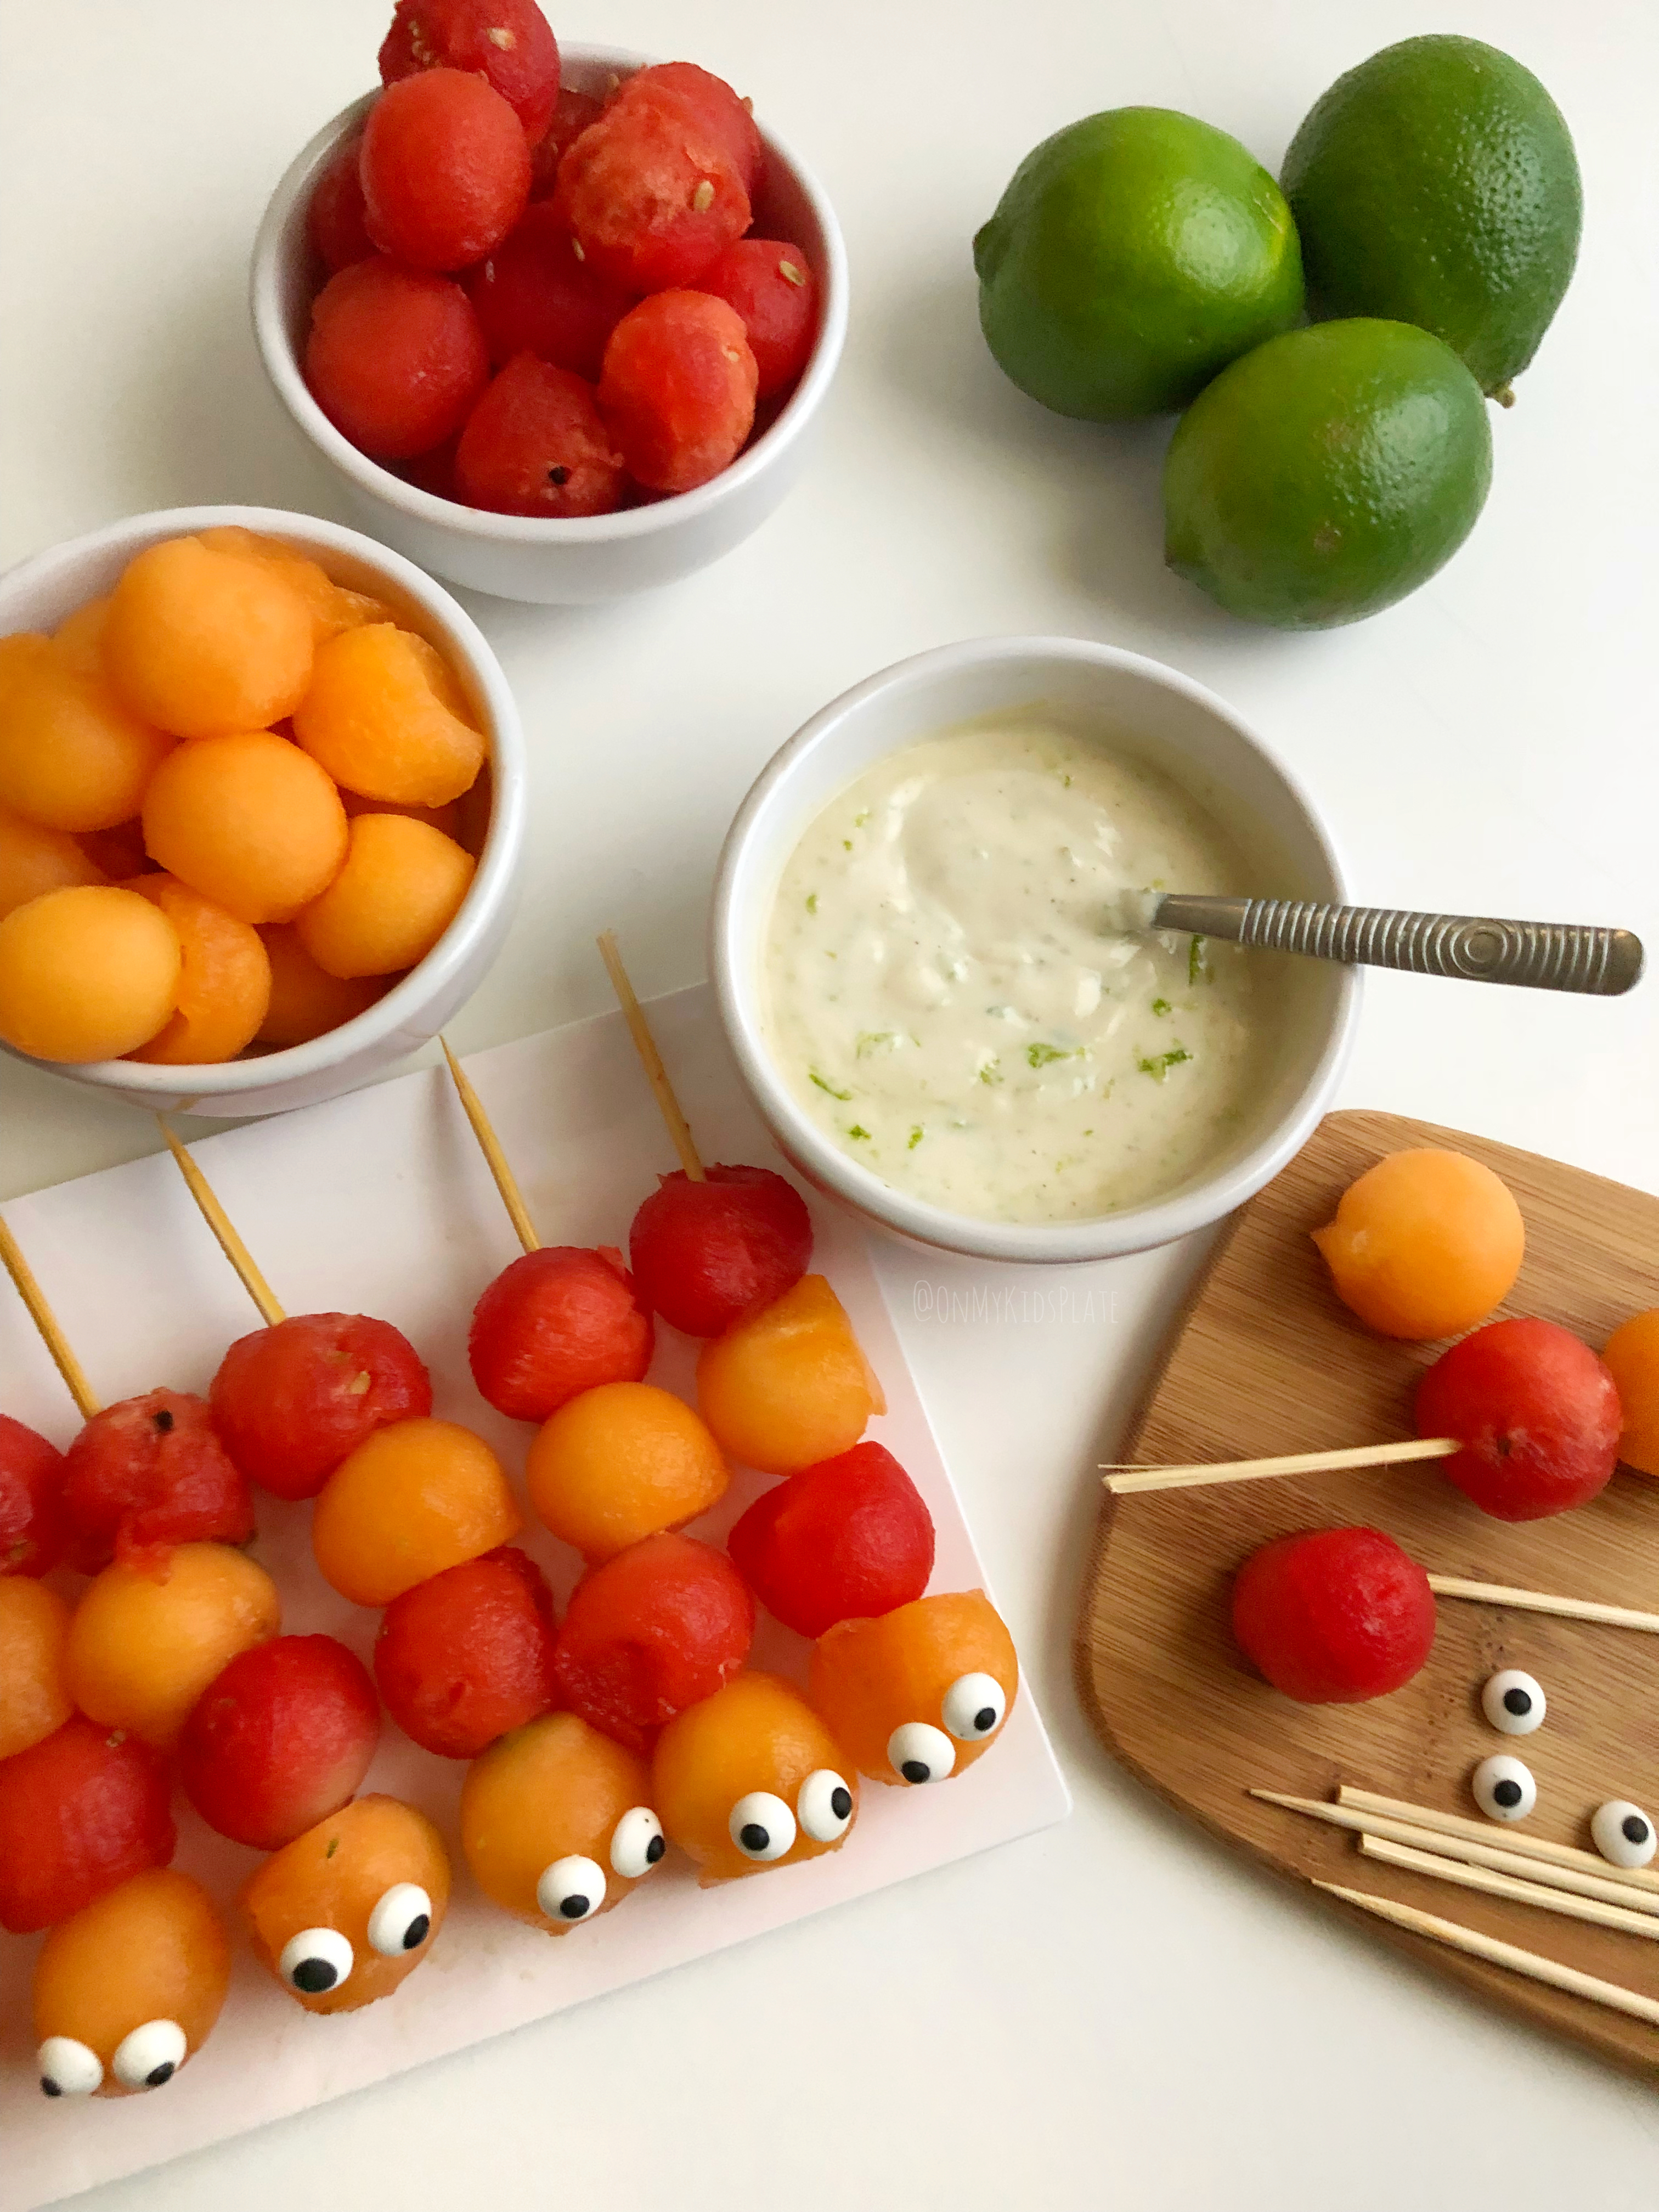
(1264, 1360)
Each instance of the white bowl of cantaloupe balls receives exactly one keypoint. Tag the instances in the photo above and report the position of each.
(262, 799)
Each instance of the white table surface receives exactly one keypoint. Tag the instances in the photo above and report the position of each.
(1117, 2013)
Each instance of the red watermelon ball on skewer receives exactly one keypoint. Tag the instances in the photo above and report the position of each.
(1537, 1414)
(1334, 1616)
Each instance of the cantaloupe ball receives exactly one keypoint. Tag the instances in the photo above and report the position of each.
(384, 717)
(1632, 1355)
(306, 1000)
(1424, 1244)
(205, 643)
(333, 607)
(80, 637)
(143, 1646)
(33, 861)
(249, 821)
(72, 756)
(401, 887)
(224, 978)
(85, 974)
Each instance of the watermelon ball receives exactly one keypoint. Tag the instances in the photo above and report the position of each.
(535, 444)
(771, 286)
(147, 1475)
(445, 169)
(678, 389)
(468, 1654)
(508, 43)
(33, 1524)
(291, 1402)
(706, 1254)
(655, 1629)
(572, 112)
(281, 1737)
(532, 295)
(1536, 1412)
(557, 1322)
(79, 1813)
(395, 358)
(651, 195)
(845, 1540)
(334, 219)
(711, 101)
(1334, 1616)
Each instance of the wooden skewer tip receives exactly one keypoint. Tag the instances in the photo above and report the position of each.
(496, 1157)
(47, 1321)
(224, 1229)
(1128, 1481)
(679, 1129)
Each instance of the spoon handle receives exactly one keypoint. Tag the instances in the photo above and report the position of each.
(1545, 955)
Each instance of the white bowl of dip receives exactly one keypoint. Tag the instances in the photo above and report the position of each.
(1042, 1103)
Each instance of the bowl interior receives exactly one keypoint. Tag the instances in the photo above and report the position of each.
(40, 593)
(1095, 694)
(288, 275)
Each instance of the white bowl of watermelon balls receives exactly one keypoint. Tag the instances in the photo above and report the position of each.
(561, 321)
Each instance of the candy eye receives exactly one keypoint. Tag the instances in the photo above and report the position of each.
(973, 1707)
(1623, 1833)
(761, 1826)
(920, 1753)
(68, 2068)
(637, 1842)
(1513, 1702)
(315, 1959)
(1504, 1788)
(401, 1920)
(571, 1889)
(825, 1806)
(152, 2054)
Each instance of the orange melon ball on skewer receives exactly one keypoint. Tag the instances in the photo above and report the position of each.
(622, 1462)
(1424, 1244)
(413, 1499)
(400, 886)
(130, 1987)
(207, 643)
(1631, 1355)
(751, 1779)
(789, 1385)
(35, 1697)
(385, 716)
(306, 1000)
(87, 972)
(224, 978)
(557, 1823)
(73, 755)
(919, 1693)
(249, 821)
(143, 1646)
(33, 861)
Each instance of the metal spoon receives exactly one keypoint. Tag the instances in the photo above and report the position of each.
(1544, 956)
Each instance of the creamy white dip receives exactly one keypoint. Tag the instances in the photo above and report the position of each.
(946, 999)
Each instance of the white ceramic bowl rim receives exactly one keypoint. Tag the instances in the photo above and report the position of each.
(1132, 1229)
(492, 878)
(271, 335)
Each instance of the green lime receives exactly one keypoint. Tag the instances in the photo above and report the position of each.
(1437, 184)
(1132, 255)
(1327, 474)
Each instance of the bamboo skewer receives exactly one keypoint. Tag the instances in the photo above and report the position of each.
(1523, 1845)
(1477, 1946)
(51, 1333)
(1515, 1891)
(491, 1145)
(1563, 1608)
(225, 1229)
(1609, 1886)
(645, 1044)
(1124, 1480)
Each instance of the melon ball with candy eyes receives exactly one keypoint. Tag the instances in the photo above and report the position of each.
(1536, 1413)
(557, 1823)
(751, 1779)
(129, 1987)
(344, 1914)
(920, 1694)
